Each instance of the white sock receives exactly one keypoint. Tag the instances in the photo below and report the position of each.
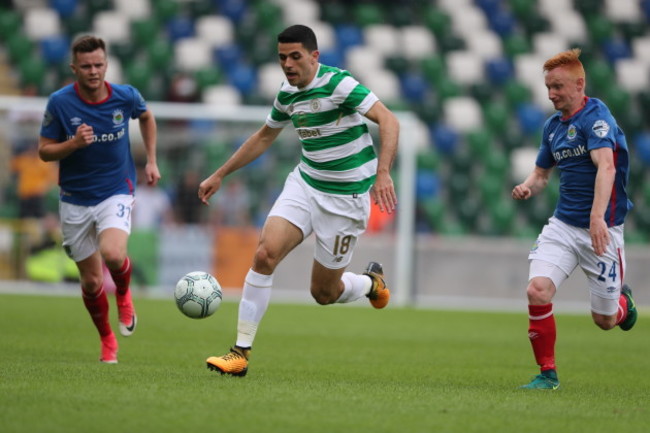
(253, 305)
(355, 286)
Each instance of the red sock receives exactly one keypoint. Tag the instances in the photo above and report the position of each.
(97, 306)
(622, 309)
(122, 277)
(542, 333)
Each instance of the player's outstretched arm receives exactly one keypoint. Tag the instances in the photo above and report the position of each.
(533, 185)
(383, 191)
(50, 149)
(253, 147)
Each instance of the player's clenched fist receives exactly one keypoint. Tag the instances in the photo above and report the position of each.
(521, 192)
(84, 135)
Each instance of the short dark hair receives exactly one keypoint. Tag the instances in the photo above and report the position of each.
(87, 44)
(299, 34)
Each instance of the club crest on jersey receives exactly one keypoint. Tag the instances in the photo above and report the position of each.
(600, 128)
(572, 132)
(118, 117)
(315, 105)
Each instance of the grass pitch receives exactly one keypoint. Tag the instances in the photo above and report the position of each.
(314, 369)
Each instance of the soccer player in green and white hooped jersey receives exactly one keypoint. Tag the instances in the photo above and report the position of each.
(328, 193)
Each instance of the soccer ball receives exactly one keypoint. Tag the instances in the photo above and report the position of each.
(198, 294)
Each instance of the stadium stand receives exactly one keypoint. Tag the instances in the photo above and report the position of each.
(470, 69)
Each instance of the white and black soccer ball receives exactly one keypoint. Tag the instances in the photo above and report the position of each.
(198, 294)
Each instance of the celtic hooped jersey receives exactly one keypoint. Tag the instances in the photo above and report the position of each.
(105, 168)
(566, 143)
(337, 152)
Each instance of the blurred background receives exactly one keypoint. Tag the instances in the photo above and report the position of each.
(464, 74)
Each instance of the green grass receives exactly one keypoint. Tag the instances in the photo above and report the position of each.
(314, 369)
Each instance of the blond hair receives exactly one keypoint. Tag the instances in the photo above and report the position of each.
(567, 59)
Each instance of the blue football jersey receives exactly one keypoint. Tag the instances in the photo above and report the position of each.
(566, 143)
(105, 168)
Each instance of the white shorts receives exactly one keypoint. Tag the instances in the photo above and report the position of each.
(336, 220)
(560, 248)
(82, 224)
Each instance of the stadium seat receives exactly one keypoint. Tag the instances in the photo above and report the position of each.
(528, 69)
(484, 44)
(483, 92)
(347, 36)
(499, 70)
(10, 23)
(270, 79)
(160, 53)
(192, 54)
(133, 9)
(114, 73)
(616, 49)
(222, 95)
(503, 23)
(144, 30)
(367, 14)
(40, 23)
(444, 138)
(304, 11)
(428, 160)
(54, 49)
(480, 144)
(180, 27)
(600, 28)
(243, 77)
(65, 8)
(208, 76)
(164, 10)
(438, 21)
(427, 184)
(502, 217)
(32, 72)
(414, 87)
(447, 88)
(468, 211)
(467, 20)
(19, 47)
(434, 210)
(383, 38)
(568, 24)
(463, 113)
(515, 45)
(112, 26)
(496, 115)
(235, 10)
(516, 93)
(546, 45)
(417, 42)
(465, 67)
(215, 30)
(434, 69)
(138, 74)
(363, 61)
(622, 10)
(633, 75)
(531, 118)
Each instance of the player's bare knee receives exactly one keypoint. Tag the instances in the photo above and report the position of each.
(323, 296)
(113, 257)
(90, 284)
(537, 293)
(605, 322)
(264, 261)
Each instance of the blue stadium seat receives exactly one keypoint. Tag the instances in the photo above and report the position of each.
(499, 71)
(503, 23)
(332, 58)
(243, 77)
(444, 138)
(54, 49)
(414, 87)
(65, 8)
(233, 9)
(427, 184)
(180, 27)
(531, 118)
(228, 56)
(348, 35)
(615, 49)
